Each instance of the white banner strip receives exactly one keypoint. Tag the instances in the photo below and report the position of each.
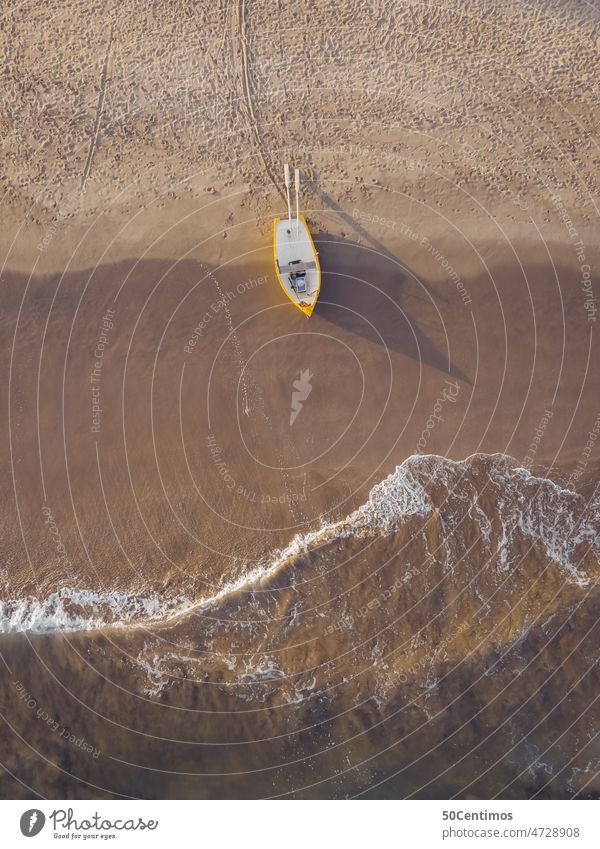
(302, 824)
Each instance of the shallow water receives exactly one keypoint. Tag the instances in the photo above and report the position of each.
(440, 640)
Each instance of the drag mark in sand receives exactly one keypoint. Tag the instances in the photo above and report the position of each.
(99, 110)
(235, 339)
(242, 72)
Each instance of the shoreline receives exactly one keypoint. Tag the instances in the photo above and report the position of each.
(306, 544)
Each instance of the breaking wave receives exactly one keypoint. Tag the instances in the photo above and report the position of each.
(71, 609)
(489, 495)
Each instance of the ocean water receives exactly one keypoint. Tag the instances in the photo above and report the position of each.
(505, 504)
(440, 639)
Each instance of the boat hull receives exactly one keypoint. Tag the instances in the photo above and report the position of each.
(297, 262)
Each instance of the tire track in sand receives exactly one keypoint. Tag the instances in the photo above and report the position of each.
(239, 47)
(99, 110)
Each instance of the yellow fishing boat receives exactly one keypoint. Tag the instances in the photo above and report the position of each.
(296, 258)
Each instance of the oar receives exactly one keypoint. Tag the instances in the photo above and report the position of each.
(297, 176)
(286, 169)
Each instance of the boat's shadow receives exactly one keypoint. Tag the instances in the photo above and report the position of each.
(367, 291)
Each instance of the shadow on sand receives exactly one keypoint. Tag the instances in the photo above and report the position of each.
(365, 290)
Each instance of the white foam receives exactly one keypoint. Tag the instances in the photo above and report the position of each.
(393, 500)
(555, 518)
(71, 609)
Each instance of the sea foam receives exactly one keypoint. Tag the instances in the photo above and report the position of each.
(492, 491)
(71, 609)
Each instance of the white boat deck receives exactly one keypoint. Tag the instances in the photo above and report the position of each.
(297, 261)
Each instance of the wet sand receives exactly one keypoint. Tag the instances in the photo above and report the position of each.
(173, 465)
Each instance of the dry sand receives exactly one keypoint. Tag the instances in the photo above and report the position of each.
(447, 181)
